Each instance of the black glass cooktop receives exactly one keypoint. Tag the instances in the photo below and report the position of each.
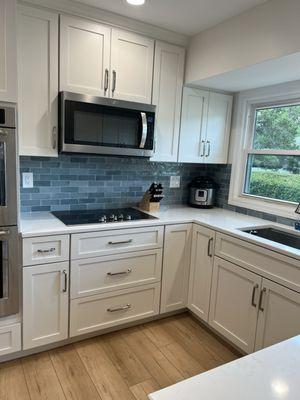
(80, 217)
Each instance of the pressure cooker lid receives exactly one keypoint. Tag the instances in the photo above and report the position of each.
(203, 182)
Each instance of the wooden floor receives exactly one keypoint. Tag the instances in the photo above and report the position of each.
(126, 365)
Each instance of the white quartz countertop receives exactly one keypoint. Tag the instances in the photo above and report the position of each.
(269, 374)
(228, 222)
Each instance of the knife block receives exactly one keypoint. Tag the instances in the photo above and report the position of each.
(146, 205)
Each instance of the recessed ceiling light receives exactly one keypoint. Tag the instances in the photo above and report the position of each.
(136, 2)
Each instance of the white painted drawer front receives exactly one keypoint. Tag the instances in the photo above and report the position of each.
(99, 312)
(45, 249)
(95, 244)
(10, 339)
(98, 275)
(270, 264)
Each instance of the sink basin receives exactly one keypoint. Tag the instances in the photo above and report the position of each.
(276, 235)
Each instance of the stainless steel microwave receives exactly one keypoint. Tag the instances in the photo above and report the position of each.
(96, 125)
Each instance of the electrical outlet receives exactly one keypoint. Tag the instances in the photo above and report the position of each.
(175, 182)
(27, 180)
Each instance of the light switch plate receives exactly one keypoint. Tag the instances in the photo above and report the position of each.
(27, 180)
(175, 182)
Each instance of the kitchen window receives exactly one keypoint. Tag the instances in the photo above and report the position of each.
(266, 169)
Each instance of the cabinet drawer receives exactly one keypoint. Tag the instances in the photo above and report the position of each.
(45, 249)
(98, 275)
(270, 264)
(10, 339)
(95, 244)
(103, 311)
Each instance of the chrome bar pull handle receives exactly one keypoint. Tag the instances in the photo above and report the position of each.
(208, 148)
(114, 82)
(106, 81)
(144, 130)
(209, 247)
(65, 281)
(128, 271)
(122, 308)
(203, 145)
(121, 242)
(54, 137)
(255, 287)
(261, 298)
(6, 232)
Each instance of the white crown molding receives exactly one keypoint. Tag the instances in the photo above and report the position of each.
(97, 14)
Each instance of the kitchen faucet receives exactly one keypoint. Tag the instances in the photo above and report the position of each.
(297, 223)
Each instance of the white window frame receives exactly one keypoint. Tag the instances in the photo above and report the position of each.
(242, 139)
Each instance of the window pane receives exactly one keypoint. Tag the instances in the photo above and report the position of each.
(276, 177)
(277, 128)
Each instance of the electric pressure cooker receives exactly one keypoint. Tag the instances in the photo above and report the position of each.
(202, 192)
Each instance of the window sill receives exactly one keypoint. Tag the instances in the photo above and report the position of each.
(278, 208)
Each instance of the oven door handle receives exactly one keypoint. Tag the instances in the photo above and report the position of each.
(144, 130)
(7, 232)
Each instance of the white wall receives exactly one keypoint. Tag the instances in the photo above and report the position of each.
(268, 31)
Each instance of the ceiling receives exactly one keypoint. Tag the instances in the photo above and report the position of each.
(188, 17)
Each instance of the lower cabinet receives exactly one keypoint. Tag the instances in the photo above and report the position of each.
(98, 312)
(279, 314)
(176, 266)
(10, 338)
(201, 271)
(45, 304)
(233, 307)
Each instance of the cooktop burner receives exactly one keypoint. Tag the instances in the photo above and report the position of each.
(80, 217)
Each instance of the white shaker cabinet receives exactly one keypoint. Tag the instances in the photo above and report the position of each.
(176, 266)
(279, 314)
(45, 304)
(131, 66)
(38, 81)
(8, 51)
(84, 56)
(234, 303)
(193, 125)
(205, 127)
(201, 271)
(167, 95)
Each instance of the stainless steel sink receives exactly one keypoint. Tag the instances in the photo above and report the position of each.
(276, 235)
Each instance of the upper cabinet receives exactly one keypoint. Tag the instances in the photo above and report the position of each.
(38, 81)
(167, 95)
(205, 127)
(84, 56)
(8, 51)
(131, 66)
(102, 61)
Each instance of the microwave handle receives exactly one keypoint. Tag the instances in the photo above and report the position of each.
(144, 130)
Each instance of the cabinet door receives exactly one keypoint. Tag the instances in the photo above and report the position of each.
(8, 51)
(45, 304)
(193, 125)
(167, 93)
(176, 265)
(279, 315)
(218, 128)
(132, 66)
(84, 56)
(234, 303)
(201, 271)
(38, 81)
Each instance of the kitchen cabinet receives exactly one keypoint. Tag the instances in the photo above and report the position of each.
(38, 81)
(205, 127)
(45, 304)
(201, 271)
(131, 66)
(8, 51)
(234, 303)
(84, 56)
(279, 312)
(167, 95)
(10, 338)
(98, 60)
(176, 266)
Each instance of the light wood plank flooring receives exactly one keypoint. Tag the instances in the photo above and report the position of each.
(125, 365)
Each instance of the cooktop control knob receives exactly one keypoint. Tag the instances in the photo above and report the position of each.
(120, 217)
(128, 217)
(102, 219)
(112, 217)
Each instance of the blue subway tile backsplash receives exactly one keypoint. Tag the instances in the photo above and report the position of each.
(88, 182)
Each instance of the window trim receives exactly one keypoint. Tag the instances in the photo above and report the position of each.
(242, 139)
